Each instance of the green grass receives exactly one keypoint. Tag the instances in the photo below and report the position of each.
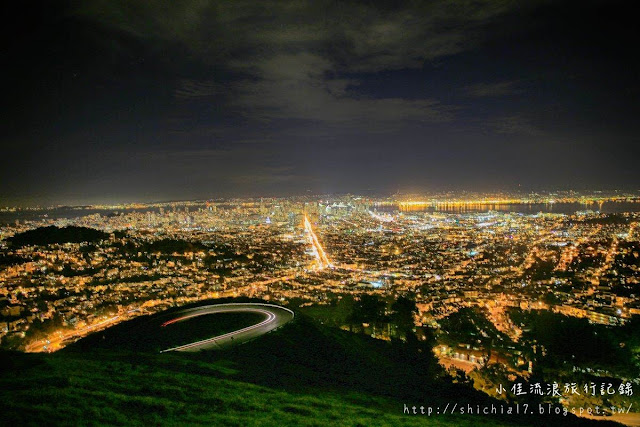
(301, 374)
(336, 315)
(125, 389)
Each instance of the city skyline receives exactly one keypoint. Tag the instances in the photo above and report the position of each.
(310, 212)
(477, 200)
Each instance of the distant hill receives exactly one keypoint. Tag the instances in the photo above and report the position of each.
(11, 260)
(52, 235)
(301, 374)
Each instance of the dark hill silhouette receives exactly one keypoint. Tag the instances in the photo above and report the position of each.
(55, 235)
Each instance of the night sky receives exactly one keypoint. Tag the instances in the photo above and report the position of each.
(125, 100)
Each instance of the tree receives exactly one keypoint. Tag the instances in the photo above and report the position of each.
(404, 312)
(369, 309)
(550, 298)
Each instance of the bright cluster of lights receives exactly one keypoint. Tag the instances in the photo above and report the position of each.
(321, 256)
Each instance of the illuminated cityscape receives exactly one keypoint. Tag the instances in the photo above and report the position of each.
(349, 213)
(450, 255)
(489, 260)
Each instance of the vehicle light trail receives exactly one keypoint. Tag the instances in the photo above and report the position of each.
(321, 256)
(190, 316)
(275, 316)
(270, 317)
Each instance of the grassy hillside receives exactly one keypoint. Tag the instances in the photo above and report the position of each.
(121, 389)
(301, 374)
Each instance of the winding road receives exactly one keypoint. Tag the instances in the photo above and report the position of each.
(275, 316)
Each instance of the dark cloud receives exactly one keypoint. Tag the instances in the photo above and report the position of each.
(292, 56)
(514, 125)
(493, 89)
(163, 99)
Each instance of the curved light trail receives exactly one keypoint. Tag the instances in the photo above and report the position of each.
(275, 316)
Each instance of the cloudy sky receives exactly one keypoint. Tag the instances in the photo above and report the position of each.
(120, 100)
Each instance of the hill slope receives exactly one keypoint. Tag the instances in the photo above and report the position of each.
(302, 374)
